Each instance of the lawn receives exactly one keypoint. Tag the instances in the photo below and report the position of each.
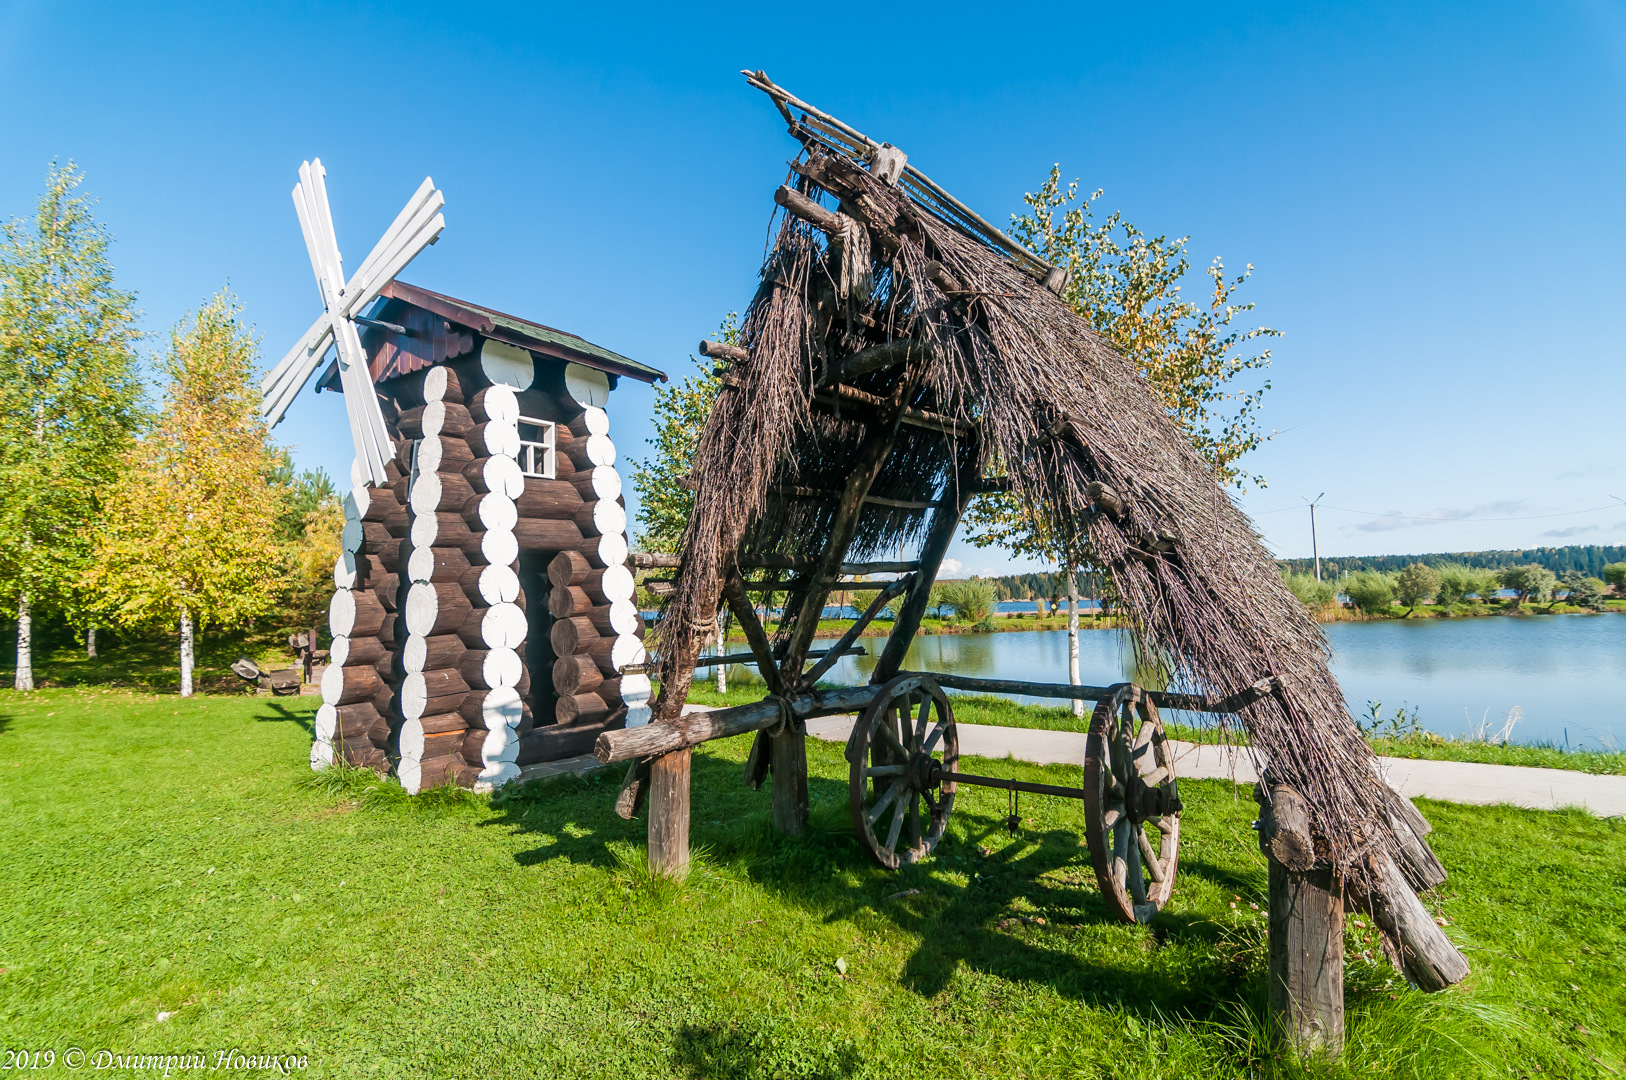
(173, 856)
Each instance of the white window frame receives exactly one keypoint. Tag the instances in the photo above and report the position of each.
(540, 458)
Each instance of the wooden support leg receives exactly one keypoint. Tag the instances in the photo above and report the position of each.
(669, 814)
(1306, 968)
(789, 756)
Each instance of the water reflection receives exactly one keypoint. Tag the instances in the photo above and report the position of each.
(1566, 673)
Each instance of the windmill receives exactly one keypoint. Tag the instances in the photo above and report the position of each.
(417, 226)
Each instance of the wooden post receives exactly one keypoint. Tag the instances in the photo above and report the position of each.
(1306, 960)
(669, 814)
(788, 761)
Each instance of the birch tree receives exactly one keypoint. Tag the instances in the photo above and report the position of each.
(190, 532)
(70, 400)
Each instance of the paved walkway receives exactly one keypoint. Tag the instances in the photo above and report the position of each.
(1451, 781)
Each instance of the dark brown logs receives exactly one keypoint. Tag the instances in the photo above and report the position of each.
(586, 453)
(355, 651)
(385, 666)
(441, 723)
(495, 403)
(581, 709)
(348, 685)
(375, 503)
(439, 491)
(599, 482)
(568, 601)
(568, 568)
(556, 741)
(384, 702)
(1306, 948)
(603, 650)
(572, 635)
(442, 745)
(437, 771)
(387, 588)
(437, 564)
(600, 517)
(443, 454)
(548, 499)
(364, 754)
(603, 619)
(355, 613)
(435, 418)
(435, 608)
(445, 529)
(376, 535)
(575, 675)
(356, 721)
(501, 626)
(422, 653)
(669, 814)
(427, 693)
(535, 534)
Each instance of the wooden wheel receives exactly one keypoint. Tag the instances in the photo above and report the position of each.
(900, 750)
(1131, 804)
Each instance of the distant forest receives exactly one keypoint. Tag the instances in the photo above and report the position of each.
(1587, 558)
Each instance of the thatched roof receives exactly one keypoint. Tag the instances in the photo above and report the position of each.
(1005, 382)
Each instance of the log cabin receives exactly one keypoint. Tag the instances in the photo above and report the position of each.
(482, 614)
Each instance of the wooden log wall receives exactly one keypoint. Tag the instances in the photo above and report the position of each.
(358, 719)
(430, 614)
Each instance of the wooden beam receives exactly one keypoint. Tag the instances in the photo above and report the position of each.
(847, 639)
(669, 814)
(871, 500)
(938, 535)
(920, 418)
(648, 561)
(1305, 966)
(811, 212)
(875, 358)
(745, 613)
(663, 736)
(719, 351)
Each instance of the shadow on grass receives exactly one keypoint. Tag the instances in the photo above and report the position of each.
(964, 906)
(281, 714)
(737, 1051)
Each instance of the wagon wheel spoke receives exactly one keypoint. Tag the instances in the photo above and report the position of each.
(1120, 853)
(1134, 872)
(1113, 815)
(885, 770)
(914, 820)
(897, 826)
(899, 786)
(897, 747)
(1151, 859)
(918, 735)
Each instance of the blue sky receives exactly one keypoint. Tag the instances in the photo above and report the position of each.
(1430, 198)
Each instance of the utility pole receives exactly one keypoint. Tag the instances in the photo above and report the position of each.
(1315, 546)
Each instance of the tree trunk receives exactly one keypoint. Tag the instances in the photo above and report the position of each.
(722, 639)
(1072, 635)
(90, 642)
(25, 645)
(186, 654)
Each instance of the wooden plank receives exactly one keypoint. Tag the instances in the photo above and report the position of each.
(1305, 968)
(833, 654)
(745, 613)
(788, 763)
(662, 736)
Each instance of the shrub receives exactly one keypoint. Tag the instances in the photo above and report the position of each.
(1587, 592)
(1312, 594)
(1530, 582)
(971, 600)
(1486, 583)
(1369, 590)
(1456, 582)
(1415, 584)
(1615, 575)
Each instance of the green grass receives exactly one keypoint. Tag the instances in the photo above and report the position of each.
(986, 709)
(150, 660)
(178, 856)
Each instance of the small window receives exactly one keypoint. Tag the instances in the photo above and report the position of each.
(538, 447)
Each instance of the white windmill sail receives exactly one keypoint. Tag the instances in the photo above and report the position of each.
(418, 225)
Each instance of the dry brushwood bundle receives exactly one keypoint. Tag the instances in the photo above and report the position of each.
(889, 361)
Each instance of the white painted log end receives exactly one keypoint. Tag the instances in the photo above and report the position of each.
(617, 583)
(587, 386)
(507, 365)
(410, 773)
(503, 476)
(500, 585)
(627, 651)
(495, 776)
(497, 511)
(600, 450)
(596, 420)
(426, 493)
(499, 547)
(605, 551)
(638, 715)
(635, 690)
(624, 617)
(605, 517)
(341, 613)
(500, 403)
(327, 722)
(605, 481)
(421, 609)
(502, 708)
(502, 668)
(321, 755)
(332, 684)
(344, 571)
(503, 627)
(434, 384)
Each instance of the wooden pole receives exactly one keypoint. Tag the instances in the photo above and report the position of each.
(669, 814)
(788, 762)
(1306, 955)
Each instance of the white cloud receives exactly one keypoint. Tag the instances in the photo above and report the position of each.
(950, 566)
(1573, 530)
(1399, 519)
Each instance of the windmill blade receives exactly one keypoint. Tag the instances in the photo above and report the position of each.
(407, 248)
(404, 223)
(289, 377)
(323, 218)
(373, 444)
(310, 203)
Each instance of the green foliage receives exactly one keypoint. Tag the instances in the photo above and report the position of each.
(1369, 590)
(191, 523)
(1456, 582)
(971, 601)
(1416, 583)
(1530, 582)
(1583, 591)
(732, 973)
(1615, 574)
(70, 392)
(1588, 558)
(1128, 285)
(1312, 594)
(665, 500)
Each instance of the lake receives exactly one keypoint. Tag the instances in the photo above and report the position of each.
(1565, 673)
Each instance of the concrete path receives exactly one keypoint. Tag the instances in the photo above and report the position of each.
(1451, 781)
